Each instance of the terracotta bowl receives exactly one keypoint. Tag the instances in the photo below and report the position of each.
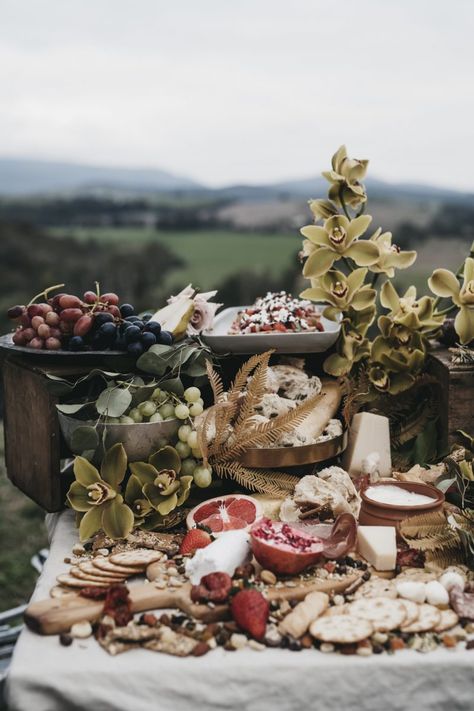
(375, 513)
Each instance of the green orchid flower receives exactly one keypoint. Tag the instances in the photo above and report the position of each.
(415, 314)
(322, 209)
(391, 257)
(97, 496)
(444, 283)
(160, 485)
(394, 369)
(345, 178)
(351, 348)
(337, 238)
(341, 292)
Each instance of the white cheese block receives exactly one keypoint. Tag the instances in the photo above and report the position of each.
(368, 433)
(378, 545)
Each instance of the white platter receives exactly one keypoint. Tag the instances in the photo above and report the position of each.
(219, 340)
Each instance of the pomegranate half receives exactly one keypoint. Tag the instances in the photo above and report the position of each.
(284, 550)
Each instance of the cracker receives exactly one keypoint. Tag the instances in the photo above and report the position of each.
(73, 582)
(429, 618)
(384, 613)
(104, 564)
(377, 587)
(137, 558)
(448, 619)
(412, 611)
(342, 629)
(78, 573)
(90, 568)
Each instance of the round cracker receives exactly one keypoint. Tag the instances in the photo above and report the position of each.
(341, 629)
(429, 617)
(60, 591)
(377, 587)
(448, 620)
(78, 573)
(411, 611)
(139, 557)
(384, 613)
(104, 564)
(89, 568)
(73, 582)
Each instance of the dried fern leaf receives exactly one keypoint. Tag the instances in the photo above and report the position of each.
(243, 374)
(433, 521)
(444, 557)
(215, 381)
(255, 392)
(224, 414)
(277, 484)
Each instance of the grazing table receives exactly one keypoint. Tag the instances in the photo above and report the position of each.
(45, 676)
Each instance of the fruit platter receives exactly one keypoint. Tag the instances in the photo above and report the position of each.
(231, 493)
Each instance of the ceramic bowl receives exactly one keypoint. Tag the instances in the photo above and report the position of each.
(375, 513)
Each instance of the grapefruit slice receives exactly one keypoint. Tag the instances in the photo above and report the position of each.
(226, 513)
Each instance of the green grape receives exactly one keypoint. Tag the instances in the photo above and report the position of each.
(127, 420)
(181, 411)
(159, 396)
(188, 466)
(113, 420)
(197, 452)
(202, 477)
(184, 432)
(136, 415)
(193, 439)
(192, 394)
(156, 417)
(195, 409)
(147, 408)
(200, 401)
(166, 411)
(183, 449)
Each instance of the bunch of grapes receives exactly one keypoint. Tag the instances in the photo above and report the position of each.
(95, 322)
(166, 406)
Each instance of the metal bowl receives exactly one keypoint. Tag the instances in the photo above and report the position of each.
(278, 457)
(139, 440)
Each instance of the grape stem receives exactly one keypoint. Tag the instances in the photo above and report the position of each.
(45, 293)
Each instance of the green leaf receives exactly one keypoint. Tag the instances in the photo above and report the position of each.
(85, 473)
(117, 519)
(156, 359)
(173, 385)
(113, 402)
(84, 438)
(114, 465)
(71, 409)
(91, 522)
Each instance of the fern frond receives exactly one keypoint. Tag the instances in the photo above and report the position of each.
(215, 381)
(277, 484)
(255, 392)
(243, 374)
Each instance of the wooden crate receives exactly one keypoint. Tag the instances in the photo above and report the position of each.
(457, 394)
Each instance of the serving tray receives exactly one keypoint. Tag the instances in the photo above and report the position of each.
(279, 457)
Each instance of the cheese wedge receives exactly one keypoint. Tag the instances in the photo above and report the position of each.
(378, 545)
(368, 434)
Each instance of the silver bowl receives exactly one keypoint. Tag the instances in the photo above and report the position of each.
(139, 440)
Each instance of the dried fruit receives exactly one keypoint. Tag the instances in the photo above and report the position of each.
(194, 539)
(214, 587)
(93, 593)
(250, 610)
(118, 605)
(283, 549)
(65, 640)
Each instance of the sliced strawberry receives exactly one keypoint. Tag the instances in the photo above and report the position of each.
(197, 538)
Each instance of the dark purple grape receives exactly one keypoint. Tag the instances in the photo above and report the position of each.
(103, 317)
(15, 312)
(132, 334)
(135, 348)
(132, 319)
(127, 310)
(146, 317)
(76, 343)
(153, 327)
(165, 338)
(148, 339)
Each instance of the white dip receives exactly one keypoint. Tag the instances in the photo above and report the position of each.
(396, 496)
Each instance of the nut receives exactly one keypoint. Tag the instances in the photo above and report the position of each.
(267, 577)
(327, 647)
(65, 640)
(257, 646)
(81, 630)
(200, 649)
(78, 549)
(338, 600)
(238, 641)
(364, 650)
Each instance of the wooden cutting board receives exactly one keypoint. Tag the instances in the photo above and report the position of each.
(56, 615)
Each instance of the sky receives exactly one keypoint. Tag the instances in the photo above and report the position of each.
(227, 91)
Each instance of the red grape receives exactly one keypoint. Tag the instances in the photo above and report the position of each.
(70, 314)
(90, 297)
(35, 310)
(44, 330)
(55, 301)
(68, 301)
(56, 332)
(114, 310)
(52, 344)
(46, 308)
(83, 325)
(28, 334)
(111, 299)
(66, 326)
(36, 343)
(25, 320)
(15, 312)
(52, 318)
(36, 322)
(19, 338)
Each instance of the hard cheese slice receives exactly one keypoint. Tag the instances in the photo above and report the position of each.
(378, 545)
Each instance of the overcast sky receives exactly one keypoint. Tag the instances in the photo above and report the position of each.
(241, 90)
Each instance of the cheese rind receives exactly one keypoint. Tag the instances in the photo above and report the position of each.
(378, 545)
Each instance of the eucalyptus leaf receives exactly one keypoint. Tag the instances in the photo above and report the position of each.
(444, 484)
(143, 393)
(157, 359)
(71, 408)
(113, 402)
(197, 369)
(173, 385)
(83, 438)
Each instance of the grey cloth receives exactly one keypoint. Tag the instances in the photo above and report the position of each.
(45, 676)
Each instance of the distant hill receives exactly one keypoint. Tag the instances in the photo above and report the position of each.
(21, 177)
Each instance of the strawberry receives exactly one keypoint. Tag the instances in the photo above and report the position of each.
(194, 539)
(250, 610)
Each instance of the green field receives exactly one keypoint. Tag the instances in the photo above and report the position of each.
(210, 256)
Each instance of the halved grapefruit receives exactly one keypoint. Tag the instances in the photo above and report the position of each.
(226, 513)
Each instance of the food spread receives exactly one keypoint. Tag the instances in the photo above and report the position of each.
(278, 312)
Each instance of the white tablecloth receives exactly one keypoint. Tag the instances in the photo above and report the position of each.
(45, 676)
